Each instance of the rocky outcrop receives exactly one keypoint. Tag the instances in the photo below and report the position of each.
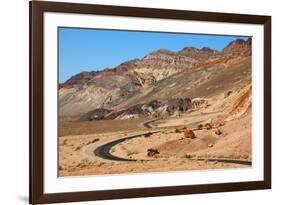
(152, 108)
(180, 104)
(242, 103)
(145, 79)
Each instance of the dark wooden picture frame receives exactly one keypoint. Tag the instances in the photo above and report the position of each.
(37, 8)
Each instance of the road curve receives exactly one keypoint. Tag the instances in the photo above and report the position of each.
(233, 161)
(103, 151)
(147, 123)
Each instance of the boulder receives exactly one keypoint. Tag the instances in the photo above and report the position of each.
(210, 145)
(188, 133)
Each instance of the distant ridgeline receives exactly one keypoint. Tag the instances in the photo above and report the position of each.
(163, 82)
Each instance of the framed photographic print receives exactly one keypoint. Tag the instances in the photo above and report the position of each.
(138, 102)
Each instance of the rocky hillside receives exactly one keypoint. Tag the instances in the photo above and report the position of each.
(160, 83)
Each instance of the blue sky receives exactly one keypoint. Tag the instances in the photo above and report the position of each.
(92, 49)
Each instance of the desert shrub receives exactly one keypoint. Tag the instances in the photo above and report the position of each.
(152, 152)
(208, 126)
(200, 127)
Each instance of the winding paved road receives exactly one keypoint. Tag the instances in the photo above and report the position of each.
(147, 123)
(103, 151)
(233, 161)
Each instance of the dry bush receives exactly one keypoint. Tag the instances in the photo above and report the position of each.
(147, 134)
(152, 152)
(218, 132)
(177, 130)
(200, 127)
(208, 126)
(78, 148)
(93, 141)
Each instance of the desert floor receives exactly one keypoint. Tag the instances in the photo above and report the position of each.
(154, 144)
